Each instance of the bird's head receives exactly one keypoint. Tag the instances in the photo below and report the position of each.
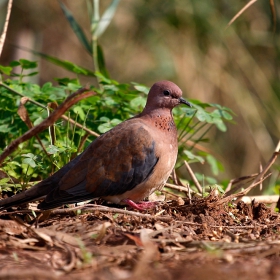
(164, 95)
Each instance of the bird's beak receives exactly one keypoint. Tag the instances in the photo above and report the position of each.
(183, 101)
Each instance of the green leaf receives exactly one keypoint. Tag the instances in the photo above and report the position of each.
(14, 63)
(108, 125)
(101, 62)
(4, 180)
(72, 67)
(29, 161)
(65, 81)
(29, 155)
(139, 101)
(213, 164)
(38, 121)
(192, 157)
(27, 64)
(79, 110)
(220, 124)
(221, 114)
(4, 128)
(105, 19)
(76, 28)
(52, 149)
(141, 88)
(219, 188)
(202, 115)
(5, 70)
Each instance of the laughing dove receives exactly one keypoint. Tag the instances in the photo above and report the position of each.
(124, 165)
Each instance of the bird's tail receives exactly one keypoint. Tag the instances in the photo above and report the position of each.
(39, 190)
(36, 192)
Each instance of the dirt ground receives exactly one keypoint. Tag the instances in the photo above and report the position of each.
(178, 239)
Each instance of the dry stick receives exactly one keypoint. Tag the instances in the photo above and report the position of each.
(23, 113)
(70, 101)
(178, 188)
(198, 186)
(228, 198)
(112, 210)
(172, 194)
(90, 208)
(237, 180)
(257, 180)
(241, 11)
(261, 169)
(261, 198)
(4, 33)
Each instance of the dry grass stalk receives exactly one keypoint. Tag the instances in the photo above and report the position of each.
(4, 33)
(261, 177)
(241, 12)
(198, 186)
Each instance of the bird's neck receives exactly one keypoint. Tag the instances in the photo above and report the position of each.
(161, 119)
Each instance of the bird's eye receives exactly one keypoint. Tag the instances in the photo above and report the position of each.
(166, 92)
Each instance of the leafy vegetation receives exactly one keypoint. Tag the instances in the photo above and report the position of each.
(38, 158)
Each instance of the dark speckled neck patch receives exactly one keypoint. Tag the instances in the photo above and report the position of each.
(164, 122)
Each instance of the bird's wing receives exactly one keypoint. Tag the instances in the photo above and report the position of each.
(114, 163)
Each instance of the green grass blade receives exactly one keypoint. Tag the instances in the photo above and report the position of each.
(76, 28)
(101, 62)
(72, 67)
(106, 19)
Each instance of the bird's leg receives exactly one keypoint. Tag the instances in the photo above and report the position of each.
(143, 205)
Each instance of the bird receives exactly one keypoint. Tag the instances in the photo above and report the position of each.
(123, 166)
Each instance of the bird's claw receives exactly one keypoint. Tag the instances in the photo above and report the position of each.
(141, 206)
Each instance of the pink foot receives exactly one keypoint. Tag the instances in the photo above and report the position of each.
(141, 206)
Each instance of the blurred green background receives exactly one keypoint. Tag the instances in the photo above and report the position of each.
(186, 42)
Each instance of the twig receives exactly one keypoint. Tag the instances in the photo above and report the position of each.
(257, 180)
(170, 193)
(70, 101)
(230, 190)
(261, 169)
(91, 208)
(179, 188)
(4, 33)
(228, 198)
(261, 198)
(22, 95)
(241, 11)
(198, 186)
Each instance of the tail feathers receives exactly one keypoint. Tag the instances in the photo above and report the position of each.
(36, 192)
(41, 189)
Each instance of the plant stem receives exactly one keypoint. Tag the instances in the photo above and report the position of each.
(4, 33)
(94, 23)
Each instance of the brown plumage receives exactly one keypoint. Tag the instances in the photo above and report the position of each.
(124, 165)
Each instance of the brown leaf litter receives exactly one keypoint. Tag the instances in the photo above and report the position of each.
(196, 239)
